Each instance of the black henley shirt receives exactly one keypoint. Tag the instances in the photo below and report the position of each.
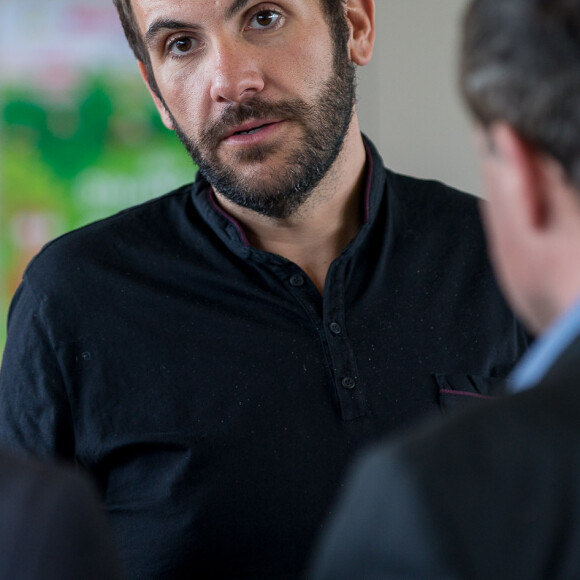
(212, 391)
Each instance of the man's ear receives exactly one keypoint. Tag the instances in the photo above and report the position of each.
(360, 15)
(526, 172)
(165, 117)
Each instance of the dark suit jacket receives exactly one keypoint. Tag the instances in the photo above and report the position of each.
(51, 526)
(492, 493)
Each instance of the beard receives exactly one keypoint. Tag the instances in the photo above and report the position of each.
(279, 192)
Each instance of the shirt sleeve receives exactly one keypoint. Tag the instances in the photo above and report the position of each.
(34, 406)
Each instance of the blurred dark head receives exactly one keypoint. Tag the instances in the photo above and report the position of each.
(520, 64)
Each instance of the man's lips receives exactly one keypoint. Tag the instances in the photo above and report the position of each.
(251, 127)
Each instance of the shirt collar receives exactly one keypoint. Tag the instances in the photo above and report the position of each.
(231, 231)
(542, 355)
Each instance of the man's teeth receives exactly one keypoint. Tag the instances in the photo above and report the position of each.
(251, 131)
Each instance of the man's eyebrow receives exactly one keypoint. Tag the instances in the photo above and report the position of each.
(235, 7)
(164, 24)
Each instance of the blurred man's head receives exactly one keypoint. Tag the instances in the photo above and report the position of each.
(520, 77)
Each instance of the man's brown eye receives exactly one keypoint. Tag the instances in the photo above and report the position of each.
(265, 18)
(183, 45)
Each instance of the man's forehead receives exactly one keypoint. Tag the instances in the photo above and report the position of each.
(147, 10)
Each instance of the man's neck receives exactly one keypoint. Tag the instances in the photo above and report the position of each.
(314, 236)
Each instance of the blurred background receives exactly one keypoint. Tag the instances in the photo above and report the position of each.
(80, 138)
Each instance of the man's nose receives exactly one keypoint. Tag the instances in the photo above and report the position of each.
(236, 74)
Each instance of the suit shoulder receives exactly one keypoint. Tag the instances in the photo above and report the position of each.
(472, 444)
(54, 512)
(34, 480)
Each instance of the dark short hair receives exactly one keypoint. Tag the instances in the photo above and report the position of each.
(333, 10)
(520, 63)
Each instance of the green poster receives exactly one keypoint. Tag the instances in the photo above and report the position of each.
(79, 136)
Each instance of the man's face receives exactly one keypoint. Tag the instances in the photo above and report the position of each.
(260, 93)
(509, 241)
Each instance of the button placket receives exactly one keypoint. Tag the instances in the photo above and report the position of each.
(350, 395)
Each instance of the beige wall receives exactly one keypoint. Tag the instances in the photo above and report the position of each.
(408, 100)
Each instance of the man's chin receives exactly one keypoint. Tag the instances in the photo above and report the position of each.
(270, 200)
(259, 173)
(250, 159)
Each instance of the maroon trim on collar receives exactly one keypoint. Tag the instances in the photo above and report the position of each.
(232, 220)
(367, 194)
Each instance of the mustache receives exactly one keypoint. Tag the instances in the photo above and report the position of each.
(237, 114)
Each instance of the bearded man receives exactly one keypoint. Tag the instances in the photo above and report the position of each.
(215, 356)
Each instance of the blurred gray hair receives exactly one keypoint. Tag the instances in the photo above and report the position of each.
(520, 63)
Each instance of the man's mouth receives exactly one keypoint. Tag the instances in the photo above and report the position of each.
(252, 131)
(251, 128)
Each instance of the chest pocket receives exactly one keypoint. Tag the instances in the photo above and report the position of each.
(459, 390)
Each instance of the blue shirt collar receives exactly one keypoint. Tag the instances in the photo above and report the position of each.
(542, 355)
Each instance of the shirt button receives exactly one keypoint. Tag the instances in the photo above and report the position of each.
(297, 280)
(335, 328)
(348, 383)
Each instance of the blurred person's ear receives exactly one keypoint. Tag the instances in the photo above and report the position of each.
(523, 173)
